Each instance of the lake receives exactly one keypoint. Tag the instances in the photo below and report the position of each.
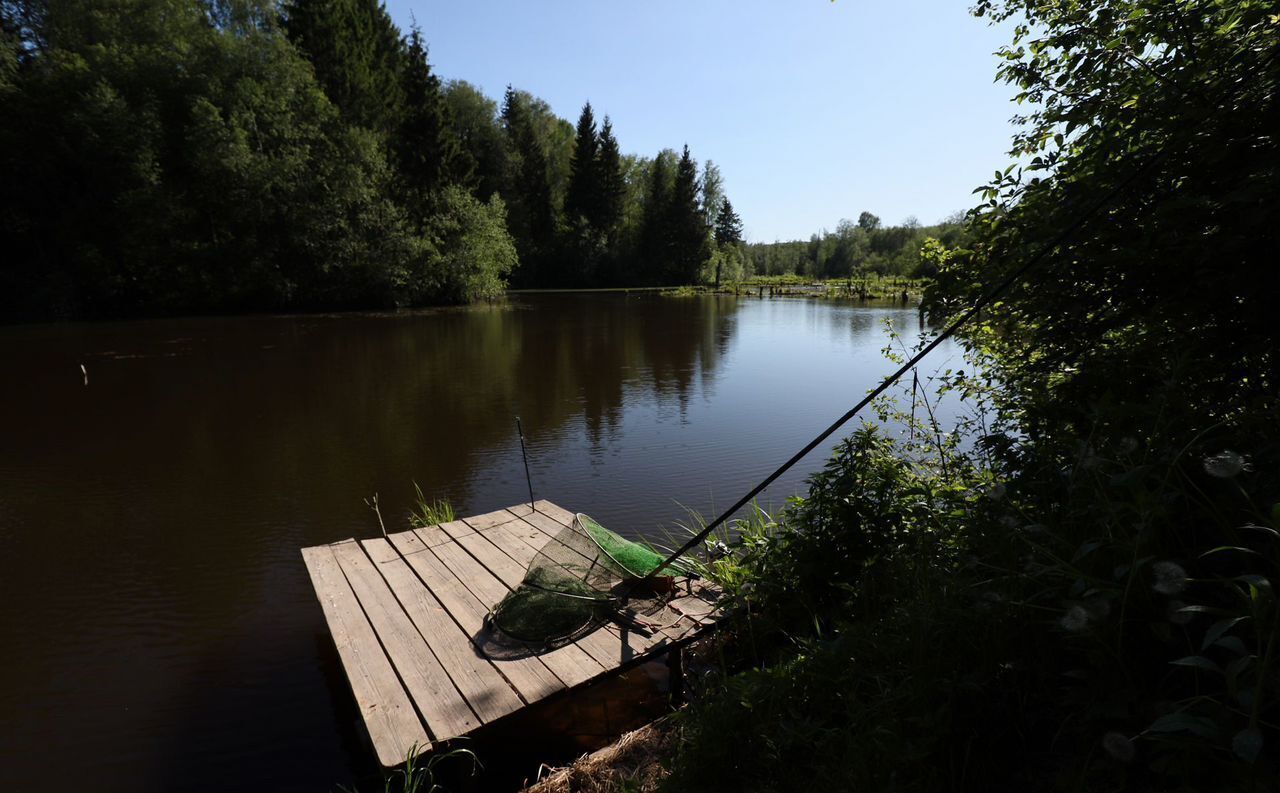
(161, 629)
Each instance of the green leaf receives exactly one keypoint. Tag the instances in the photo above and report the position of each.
(1222, 548)
(1184, 722)
(1202, 610)
(1236, 667)
(1247, 744)
(1217, 629)
(1085, 549)
(1198, 662)
(1232, 643)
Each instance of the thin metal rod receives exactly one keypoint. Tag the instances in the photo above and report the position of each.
(973, 310)
(950, 331)
(527, 479)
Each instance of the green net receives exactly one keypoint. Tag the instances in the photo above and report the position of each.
(583, 576)
(632, 557)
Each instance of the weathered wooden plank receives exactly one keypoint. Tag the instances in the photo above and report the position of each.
(530, 676)
(570, 663)
(441, 704)
(488, 520)
(507, 555)
(483, 686)
(559, 514)
(394, 727)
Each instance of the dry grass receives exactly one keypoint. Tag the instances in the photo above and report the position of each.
(632, 763)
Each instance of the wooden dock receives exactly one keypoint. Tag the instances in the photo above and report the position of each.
(403, 610)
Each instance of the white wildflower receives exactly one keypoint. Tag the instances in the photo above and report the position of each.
(1118, 746)
(1226, 464)
(1170, 578)
(1076, 619)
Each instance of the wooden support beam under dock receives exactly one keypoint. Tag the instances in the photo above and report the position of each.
(403, 609)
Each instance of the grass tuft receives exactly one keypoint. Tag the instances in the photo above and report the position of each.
(429, 513)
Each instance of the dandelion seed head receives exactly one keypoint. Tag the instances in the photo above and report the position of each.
(1118, 746)
(1226, 464)
(1075, 620)
(1170, 578)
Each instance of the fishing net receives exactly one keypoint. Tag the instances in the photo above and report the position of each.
(584, 576)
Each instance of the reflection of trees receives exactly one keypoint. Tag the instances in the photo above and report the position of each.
(259, 433)
(354, 401)
(549, 359)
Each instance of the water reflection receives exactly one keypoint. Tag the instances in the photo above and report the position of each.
(150, 521)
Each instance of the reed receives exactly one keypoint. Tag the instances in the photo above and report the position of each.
(431, 512)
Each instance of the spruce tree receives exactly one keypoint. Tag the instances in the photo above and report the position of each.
(728, 225)
(584, 189)
(528, 196)
(357, 54)
(611, 185)
(427, 151)
(690, 243)
(654, 233)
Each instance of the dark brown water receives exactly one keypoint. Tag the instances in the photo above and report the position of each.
(159, 628)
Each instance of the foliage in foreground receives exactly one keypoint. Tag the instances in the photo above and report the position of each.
(419, 775)
(911, 627)
(1076, 591)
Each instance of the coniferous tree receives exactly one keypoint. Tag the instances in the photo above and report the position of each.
(689, 238)
(654, 247)
(611, 185)
(427, 152)
(357, 54)
(584, 182)
(728, 225)
(532, 212)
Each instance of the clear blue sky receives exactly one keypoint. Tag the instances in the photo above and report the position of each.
(813, 110)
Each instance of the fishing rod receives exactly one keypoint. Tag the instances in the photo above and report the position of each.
(985, 300)
(528, 480)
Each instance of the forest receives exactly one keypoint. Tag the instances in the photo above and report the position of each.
(217, 156)
(861, 248)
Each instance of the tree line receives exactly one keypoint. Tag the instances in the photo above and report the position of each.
(182, 156)
(862, 247)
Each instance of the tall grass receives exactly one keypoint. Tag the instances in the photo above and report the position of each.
(429, 513)
(419, 776)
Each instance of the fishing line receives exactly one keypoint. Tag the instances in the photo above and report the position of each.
(982, 302)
